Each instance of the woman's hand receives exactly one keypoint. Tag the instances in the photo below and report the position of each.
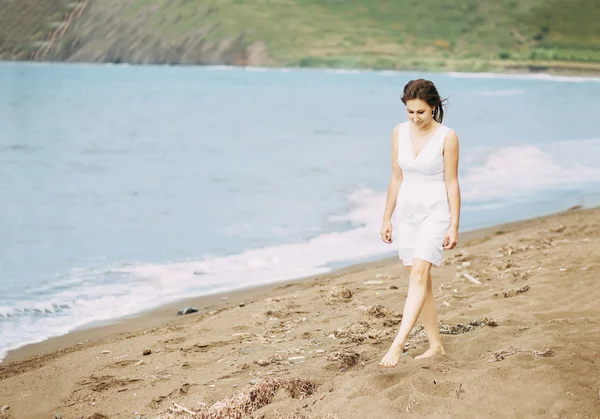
(451, 239)
(386, 232)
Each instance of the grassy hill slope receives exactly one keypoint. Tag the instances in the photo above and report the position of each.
(24, 25)
(402, 34)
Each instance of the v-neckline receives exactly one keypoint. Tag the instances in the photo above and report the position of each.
(410, 143)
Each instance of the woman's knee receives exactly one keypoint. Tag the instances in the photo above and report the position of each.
(419, 275)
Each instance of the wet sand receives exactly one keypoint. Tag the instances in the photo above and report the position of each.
(525, 343)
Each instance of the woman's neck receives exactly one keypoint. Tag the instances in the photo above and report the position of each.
(425, 129)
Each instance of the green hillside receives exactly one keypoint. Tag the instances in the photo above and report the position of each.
(399, 34)
(396, 33)
(24, 25)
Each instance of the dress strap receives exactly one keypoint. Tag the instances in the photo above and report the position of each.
(403, 138)
(441, 137)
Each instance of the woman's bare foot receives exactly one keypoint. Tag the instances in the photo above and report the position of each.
(433, 351)
(393, 355)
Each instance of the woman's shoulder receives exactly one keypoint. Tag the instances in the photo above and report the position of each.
(450, 138)
(401, 126)
(448, 132)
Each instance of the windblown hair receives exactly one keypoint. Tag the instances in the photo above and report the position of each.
(426, 91)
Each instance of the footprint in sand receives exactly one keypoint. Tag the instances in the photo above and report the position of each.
(105, 382)
(122, 364)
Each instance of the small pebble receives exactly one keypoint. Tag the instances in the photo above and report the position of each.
(4, 408)
(105, 352)
(147, 351)
(187, 310)
(320, 351)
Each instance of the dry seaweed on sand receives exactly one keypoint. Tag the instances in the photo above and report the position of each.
(500, 355)
(379, 311)
(460, 328)
(359, 332)
(273, 359)
(513, 292)
(278, 314)
(301, 389)
(248, 400)
(339, 294)
(347, 358)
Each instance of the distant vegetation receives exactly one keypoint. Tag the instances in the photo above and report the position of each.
(384, 34)
(24, 25)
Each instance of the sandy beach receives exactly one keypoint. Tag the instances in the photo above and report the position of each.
(523, 343)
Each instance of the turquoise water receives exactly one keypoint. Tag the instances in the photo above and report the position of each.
(127, 187)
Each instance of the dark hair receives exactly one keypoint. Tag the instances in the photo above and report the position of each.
(425, 90)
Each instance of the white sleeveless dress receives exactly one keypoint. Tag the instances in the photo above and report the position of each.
(422, 214)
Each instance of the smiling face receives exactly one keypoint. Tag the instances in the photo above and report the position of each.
(419, 112)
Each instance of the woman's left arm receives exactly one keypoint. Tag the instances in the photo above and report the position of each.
(452, 188)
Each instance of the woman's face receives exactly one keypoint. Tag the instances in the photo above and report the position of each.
(419, 112)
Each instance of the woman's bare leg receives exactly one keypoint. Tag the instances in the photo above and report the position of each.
(415, 300)
(430, 322)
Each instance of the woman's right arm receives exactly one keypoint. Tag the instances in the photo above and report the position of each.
(392, 193)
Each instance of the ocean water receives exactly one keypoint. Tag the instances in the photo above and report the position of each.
(123, 188)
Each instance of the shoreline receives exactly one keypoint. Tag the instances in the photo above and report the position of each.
(521, 341)
(95, 333)
(91, 335)
(559, 70)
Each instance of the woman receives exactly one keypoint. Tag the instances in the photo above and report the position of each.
(425, 195)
